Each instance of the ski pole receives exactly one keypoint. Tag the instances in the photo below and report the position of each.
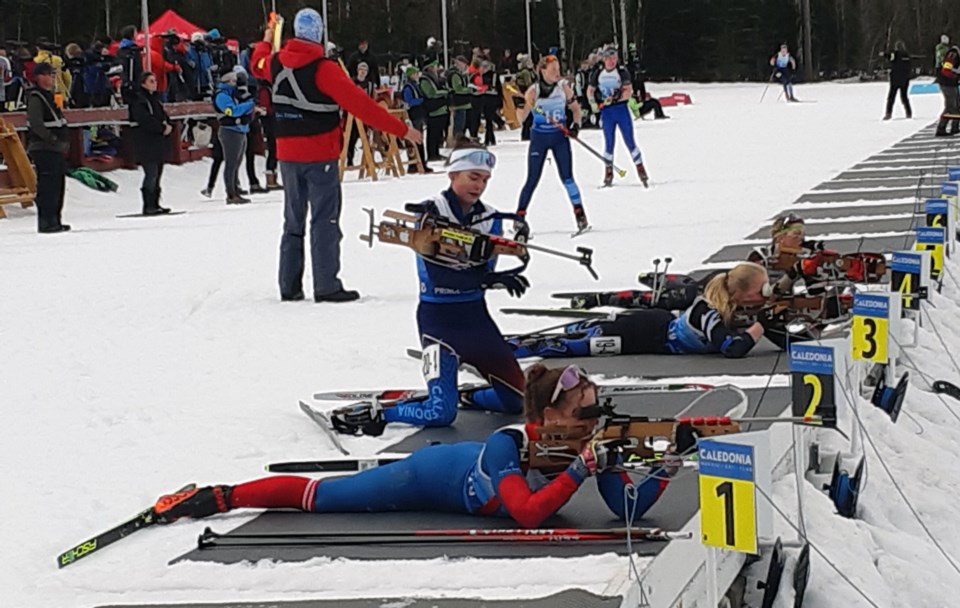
(663, 279)
(329, 466)
(656, 275)
(589, 149)
(210, 539)
(768, 86)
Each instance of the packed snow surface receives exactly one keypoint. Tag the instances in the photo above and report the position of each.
(141, 354)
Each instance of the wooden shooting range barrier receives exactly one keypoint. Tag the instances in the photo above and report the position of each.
(372, 141)
(510, 91)
(22, 177)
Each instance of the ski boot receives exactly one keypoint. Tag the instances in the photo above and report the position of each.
(607, 176)
(194, 503)
(521, 230)
(582, 224)
(364, 418)
(642, 173)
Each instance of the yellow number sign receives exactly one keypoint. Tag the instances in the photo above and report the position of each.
(871, 315)
(728, 509)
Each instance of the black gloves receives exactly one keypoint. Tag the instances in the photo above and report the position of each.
(515, 284)
(574, 130)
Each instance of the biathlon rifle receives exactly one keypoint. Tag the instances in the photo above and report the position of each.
(439, 241)
(633, 436)
(858, 267)
(783, 310)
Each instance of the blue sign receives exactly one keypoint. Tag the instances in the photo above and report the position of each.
(726, 460)
(949, 189)
(811, 359)
(930, 235)
(936, 206)
(906, 262)
(870, 305)
(953, 174)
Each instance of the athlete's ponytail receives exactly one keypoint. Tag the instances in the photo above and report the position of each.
(541, 382)
(721, 289)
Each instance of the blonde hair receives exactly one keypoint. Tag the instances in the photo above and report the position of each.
(721, 289)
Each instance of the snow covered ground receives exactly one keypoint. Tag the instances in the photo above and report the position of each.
(139, 354)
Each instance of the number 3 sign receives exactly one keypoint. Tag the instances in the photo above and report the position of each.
(874, 318)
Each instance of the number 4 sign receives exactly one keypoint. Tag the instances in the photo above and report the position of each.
(728, 508)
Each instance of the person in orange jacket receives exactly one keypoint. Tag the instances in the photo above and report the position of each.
(159, 66)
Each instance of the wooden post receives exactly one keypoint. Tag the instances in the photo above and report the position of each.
(23, 177)
(509, 108)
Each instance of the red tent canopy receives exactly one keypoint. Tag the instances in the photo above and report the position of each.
(171, 20)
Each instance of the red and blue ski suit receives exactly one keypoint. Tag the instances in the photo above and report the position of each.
(488, 478)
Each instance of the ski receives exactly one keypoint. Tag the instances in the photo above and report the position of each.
(947, 388)
(571, 313)
(330, 466)
(388, 397)
(581, 231)
(126, 215)
(210, 539)
(323, 421)
(141, 520)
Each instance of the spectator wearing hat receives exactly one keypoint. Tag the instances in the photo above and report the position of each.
(47, 143)
(160, 66)
(234, 117)
(130, 56)
(435, 105)
(363, 55)
(48, 52)
(416, 111)
(361, 80)
(199, 57)
(460, 104)
(309, 91)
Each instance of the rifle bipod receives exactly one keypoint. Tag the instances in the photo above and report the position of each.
(440, 241)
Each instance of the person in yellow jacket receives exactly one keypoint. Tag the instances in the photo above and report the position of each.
(63, 79)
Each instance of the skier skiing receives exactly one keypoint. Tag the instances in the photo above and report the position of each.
(489, 478)
(548, 101)
(900, 69)
(784, 66)
(610, 91)
(452, 317)
(948, 77)
(706, 327)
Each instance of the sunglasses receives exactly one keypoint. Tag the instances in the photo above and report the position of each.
(569, 379)
(483, 158)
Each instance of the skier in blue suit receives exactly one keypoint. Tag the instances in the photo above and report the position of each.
(610, 91)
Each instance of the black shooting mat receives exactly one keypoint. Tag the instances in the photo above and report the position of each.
(571, 598)
(585, 510)
(833, 185)
(934, 175)
(873, 244)
(840, 212)
(903, 223)
(886, 194)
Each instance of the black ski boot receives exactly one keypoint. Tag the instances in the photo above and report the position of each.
(642, 173)
(194, 503)
(582, 224)
(362, 418)
(607, 176)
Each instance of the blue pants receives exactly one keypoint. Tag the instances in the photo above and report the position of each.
(430, 479)
(316, 185)
(559, 144)
(612, 118)
(467, 330)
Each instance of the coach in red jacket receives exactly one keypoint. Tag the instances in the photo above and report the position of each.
(309, 91)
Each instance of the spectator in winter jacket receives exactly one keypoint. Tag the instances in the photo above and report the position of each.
(47, 53)
(47, 143)
(308, 92)
(900, 69)
(941, 51)
(130, 56)
(6, 77)
(221, 57)
(948, 77)
(234, 117)
(438, 115)
(151, 143)
(363, 55)
(413, 102)
(361, 81)
(460, 103)
(199, 57)
(74, 65)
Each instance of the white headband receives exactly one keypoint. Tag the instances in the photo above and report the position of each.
(471, 159)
